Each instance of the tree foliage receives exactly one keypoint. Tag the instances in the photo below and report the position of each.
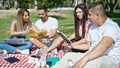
(7, 4)
(110, 4)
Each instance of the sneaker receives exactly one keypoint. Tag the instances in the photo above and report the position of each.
(26, 51)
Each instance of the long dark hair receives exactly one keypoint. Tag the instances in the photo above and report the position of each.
(83, 21)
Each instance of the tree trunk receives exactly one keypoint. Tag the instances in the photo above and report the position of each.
(111, 4)
(15, 4)
(68, 3)
(111, 11)
(78, 2)
(4, 4)
(35, 3)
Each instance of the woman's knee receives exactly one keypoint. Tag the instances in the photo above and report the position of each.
(29, 44)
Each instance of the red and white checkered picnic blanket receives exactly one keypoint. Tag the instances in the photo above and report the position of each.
(23, 63)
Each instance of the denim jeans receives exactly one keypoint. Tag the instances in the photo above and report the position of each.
(13, 48)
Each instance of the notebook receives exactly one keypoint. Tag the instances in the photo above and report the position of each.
(15, 41)
(64, 37)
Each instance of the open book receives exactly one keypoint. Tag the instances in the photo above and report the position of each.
(64, 37)
(42, 32)
(35, 31)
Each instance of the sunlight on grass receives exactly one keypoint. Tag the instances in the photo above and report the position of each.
(65, 19)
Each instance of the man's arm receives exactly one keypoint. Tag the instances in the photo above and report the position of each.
(82, 46)
(96, 52)
(54, 32)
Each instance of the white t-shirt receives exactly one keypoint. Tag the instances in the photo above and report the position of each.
(50, 24)
(111, 29)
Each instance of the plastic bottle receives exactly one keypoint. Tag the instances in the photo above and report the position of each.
(43, 57)
(37, 56)
(37, 64)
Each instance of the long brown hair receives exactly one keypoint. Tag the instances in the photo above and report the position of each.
(20, 15)
(83, 21)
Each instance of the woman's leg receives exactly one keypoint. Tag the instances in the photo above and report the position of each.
(8, 47)
(27, 45)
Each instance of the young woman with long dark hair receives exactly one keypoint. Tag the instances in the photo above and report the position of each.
(82, 25)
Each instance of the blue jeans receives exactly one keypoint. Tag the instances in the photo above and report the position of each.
(13, 48)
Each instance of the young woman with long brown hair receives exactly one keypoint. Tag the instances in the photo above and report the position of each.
(82, 25)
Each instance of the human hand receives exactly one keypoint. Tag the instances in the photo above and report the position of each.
(37, 37)
(41, 36)
(67, 47)
(65, 44)
(81, 63)
(27, 32)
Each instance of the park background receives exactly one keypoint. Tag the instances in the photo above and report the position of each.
(62, 10)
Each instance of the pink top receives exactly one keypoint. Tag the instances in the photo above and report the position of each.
(87, 26)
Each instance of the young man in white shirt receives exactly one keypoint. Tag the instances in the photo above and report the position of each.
(47, 23)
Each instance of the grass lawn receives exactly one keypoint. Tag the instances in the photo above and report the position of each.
(65, 19)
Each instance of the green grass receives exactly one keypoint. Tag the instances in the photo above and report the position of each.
(4, 27)
(66, 24)
(116, 16)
